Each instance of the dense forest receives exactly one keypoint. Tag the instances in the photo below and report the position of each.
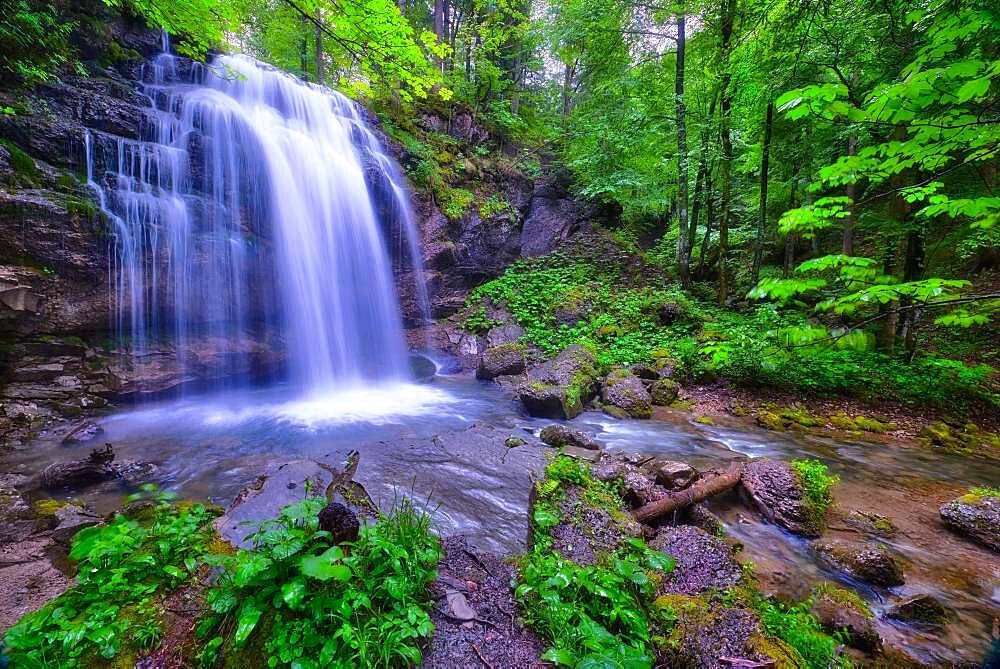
(745, 253)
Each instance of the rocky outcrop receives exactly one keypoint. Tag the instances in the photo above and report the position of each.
(673, 475)
(623, 390)
(778, 494)
(585, 531)
(976, 516)
(560, 387)
(871, 563)
(555, 215)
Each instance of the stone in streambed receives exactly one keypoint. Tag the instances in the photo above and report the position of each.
(625, 391)
(976, 516)
(71, 519)
(502, 360)
(778, 494)
(560, 387)
(922, 610)
(644, 372)
(871, 563)
(562, 435)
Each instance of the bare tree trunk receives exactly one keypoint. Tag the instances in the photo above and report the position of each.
(758, 249)
(913, 270)
(847, 248)
(567, 89)
(439, 26)
(320, 65)
(727, 151)
(683, 250)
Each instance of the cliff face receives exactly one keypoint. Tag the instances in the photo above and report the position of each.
(58, 353)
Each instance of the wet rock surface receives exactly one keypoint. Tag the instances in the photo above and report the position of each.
(869, 562)
(471, 477)
(585, 531)
(778, 495)
(477, 622)
(975, 516)
(704, 562)
(663, 392)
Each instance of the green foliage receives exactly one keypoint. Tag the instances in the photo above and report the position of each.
(816, 486)
(986, 492)
(597, 615)
(494, 205)
(33, 41)
(124, 567)
(308, 603)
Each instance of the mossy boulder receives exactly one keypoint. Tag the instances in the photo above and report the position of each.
(562, 435)
(627, 392)
(664, 391)
(975, 515)
(779, 495)
(560, 387)
(502, 360)
(872, 523)
(838, 608)
(704, 630)
(869, 562)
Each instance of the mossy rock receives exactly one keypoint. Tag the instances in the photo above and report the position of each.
(771, 421)
(664, 391)
(704, 420)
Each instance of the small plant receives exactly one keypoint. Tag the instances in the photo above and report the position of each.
(307, 603)
(986, 492)
(797, 627)
(816, 485)
(494, 205)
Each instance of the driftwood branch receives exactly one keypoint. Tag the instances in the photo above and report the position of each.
(711, 485)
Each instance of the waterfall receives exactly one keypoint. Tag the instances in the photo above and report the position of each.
(251, 209)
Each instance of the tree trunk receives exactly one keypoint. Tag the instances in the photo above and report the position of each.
(847, 248)
(683, 250)
(790, 238)
(711, 485)
(758, 249)
(439, 26)
(567, 89)
(320, 65)
(913, 270)
(709, 217)
(727, 152)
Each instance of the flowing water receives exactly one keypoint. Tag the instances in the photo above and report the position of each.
(257, 206)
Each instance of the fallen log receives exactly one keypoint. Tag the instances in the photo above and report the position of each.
(711, 484)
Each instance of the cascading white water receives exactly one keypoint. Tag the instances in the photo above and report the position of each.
(247, 179)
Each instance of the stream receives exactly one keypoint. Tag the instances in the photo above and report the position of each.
(442, 442)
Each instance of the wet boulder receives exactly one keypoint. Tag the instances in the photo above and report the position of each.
(975, 515)
(838, 608)
(664, 391)
(872, 563)
(922, 610)
(70, 519)
(644, 372)
(778, 494)
(623, 390)
(560, 387)
(585, 531)
(502, 360)
(562, 435)
(704, 562)
(340, 521)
